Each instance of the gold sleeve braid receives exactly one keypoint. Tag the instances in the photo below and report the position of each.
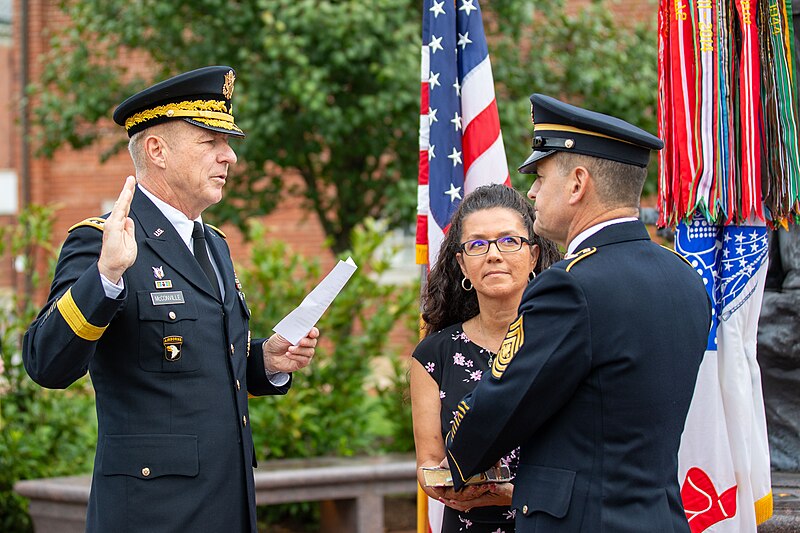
(75, 319)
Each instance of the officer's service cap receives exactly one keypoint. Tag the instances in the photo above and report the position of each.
(201, 97)
(560, 127)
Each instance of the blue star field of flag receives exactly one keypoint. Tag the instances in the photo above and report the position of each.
(727, 258)
(457, 44)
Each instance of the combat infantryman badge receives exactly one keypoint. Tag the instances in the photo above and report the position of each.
(172, 347)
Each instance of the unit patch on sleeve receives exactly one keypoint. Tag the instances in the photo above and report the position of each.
(511, 344)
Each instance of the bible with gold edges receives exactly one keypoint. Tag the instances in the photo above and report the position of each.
(440, 477)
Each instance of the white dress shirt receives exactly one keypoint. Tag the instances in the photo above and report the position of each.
(575, 243)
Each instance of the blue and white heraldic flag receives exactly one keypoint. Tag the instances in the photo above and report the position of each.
(723, 462)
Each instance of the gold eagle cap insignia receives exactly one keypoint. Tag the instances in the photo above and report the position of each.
(227, 88)
(511, 345)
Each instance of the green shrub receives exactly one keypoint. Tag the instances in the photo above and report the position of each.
(42, 433)
(333, 403)
(335, 406)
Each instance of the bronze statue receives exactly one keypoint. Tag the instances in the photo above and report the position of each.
(779, 349)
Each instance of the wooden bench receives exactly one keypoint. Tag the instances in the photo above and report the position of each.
(350, 490)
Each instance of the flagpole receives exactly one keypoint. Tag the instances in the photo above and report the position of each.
(460, 143)
(423, 524)
(422, 511)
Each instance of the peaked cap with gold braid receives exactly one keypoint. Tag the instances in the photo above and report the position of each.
(201, 97)
(561, 127)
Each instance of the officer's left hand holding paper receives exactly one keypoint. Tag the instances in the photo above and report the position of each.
(281, 355)
(285, 355)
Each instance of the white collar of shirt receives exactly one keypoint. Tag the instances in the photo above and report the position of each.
(585, 234)
(182, 224)
(184, 227)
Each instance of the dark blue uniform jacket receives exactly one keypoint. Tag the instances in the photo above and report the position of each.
(172, 371)
(594, 381)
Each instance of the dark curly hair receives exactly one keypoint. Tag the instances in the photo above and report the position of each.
(444, 301)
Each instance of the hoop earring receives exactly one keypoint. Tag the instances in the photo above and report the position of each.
(532, 276)
(464, 284)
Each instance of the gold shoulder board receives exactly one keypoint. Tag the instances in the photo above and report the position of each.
(221, 233)
(676, 253)
(94, 222)
(579, 255)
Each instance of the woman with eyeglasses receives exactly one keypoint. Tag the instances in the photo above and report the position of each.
(485, 262)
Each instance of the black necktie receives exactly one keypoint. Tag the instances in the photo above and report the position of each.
(201, 254)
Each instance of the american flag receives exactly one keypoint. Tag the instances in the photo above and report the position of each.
(460, 144)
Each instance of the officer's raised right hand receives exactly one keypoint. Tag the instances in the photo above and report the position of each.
(119, 243)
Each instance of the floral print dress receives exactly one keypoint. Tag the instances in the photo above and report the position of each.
(457, 365)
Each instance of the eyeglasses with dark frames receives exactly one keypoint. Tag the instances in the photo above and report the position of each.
(508, 243)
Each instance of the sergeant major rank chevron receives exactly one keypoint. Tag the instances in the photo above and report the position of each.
(511, 344)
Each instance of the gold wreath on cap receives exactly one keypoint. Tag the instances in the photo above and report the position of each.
(227, 88)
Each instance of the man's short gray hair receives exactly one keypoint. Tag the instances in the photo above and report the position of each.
(137, 151)
(164, 130)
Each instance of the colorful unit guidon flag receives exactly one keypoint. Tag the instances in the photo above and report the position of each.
(460, 144)
(728, 114)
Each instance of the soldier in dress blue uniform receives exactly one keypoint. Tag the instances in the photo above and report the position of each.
(145, 298)
(595, 376)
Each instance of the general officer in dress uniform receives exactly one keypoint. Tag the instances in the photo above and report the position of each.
(146, 299)
(595, 376)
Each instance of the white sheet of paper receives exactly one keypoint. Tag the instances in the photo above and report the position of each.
(299, 322)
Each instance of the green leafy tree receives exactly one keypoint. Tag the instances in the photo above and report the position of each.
(329, 88)
(585, 55)
(326, 88)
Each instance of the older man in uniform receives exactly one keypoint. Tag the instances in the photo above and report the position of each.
(161, 325)
(595, 377)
